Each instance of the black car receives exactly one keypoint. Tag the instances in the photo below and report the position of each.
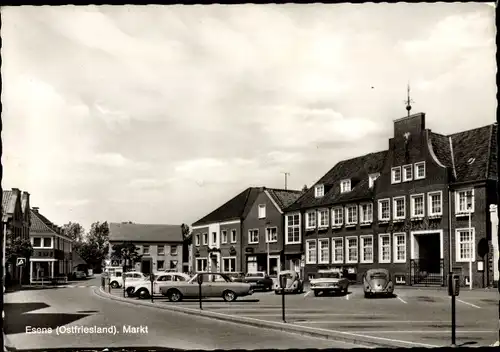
(259, 280)
(236, 276)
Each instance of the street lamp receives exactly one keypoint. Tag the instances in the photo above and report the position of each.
(470, 199)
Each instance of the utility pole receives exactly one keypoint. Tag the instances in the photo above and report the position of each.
(286, 175)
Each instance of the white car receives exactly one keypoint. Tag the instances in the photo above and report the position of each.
(116, 281)
(329, 281)
(142, 288)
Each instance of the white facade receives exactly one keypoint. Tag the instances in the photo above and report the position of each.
(494, 240)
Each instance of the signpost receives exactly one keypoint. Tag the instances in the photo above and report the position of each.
(453, 291)
(199, 278)
(282, 279)
(152, 279)
(21, 262)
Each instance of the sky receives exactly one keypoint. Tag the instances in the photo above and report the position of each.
(160, 114)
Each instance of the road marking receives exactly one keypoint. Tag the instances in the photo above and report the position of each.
(347, 297)
(445, 331)
(307, 293)
(367, 322)
(298, 314)
(470, 304)
(402, 300)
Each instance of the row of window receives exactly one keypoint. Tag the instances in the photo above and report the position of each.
(160, 265)
(360, 249)
(202, 238)
(408, 172)
(345, 185)
(228, 264)
(51, 243)
(160, 250)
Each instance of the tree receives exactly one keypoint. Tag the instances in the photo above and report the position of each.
(128, 251)
(75, 231)
(186, 236)
(18, 247)
(304, 189)
(95, 246)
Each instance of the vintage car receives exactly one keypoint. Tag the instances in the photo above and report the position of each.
(116, 280)
(329, 281)
(377, 282)
(293, 283)
(259, 280)
(236, 276)
(142, 288)
(214, 285)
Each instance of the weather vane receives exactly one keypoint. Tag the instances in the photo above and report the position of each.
(408, 101)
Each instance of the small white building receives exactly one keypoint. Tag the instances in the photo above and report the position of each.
(494, 241)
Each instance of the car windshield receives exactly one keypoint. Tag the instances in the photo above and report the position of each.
(378, 275)
(255, 275)
(328, 276)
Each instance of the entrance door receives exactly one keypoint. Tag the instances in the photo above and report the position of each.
(295, 265)
(146, 266)
(251, 264)
(274, 265)
(429, 253)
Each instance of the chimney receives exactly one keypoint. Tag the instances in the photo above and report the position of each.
(35, 209)
(16, 191)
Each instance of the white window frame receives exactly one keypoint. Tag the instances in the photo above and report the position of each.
(429, 203)
(268, 232)
(458, 257)
(347, 260)
(372, 178)
(262, 211)
(205, 238)
(224, 269)
(42, 246)
(320, 251)
(336, 260)
(347, 215)
(380, 213)
(250, 232)
(214, 238)
(323, 215)
(295, 226)
(148, 252)
(201, 260)
(395, 247)
(319, 191)
(340, 211)
(395, 208)
(417, 165)
(308, 250)
(233, 237)
(345, 186)
(197, 240)
(362, 248)
(224, 238)
(308, 214)
(174, 249)
(158, 252)
(403, 172)
(381, 248)
(362, 219)
(457, 201)
(412, 205)
(393, 175)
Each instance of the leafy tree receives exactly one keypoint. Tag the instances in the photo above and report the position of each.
(75, 231)
(94, 248)
(128, 251)
(186, 235)
(19, 247)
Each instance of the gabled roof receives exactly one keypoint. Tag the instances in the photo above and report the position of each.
(236, 208)
(41, 225)
(472, 154)
(121, 232)
(284, 198)
(356, 169)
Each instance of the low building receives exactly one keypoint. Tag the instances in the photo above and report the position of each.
(495, 258)
(244, 234)
(52, 255)
(16, 218)
(160, 246)
(413, 209)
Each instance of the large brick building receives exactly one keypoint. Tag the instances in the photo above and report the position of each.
(398, 209)
(244, 234)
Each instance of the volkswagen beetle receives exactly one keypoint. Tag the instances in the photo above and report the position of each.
(293, 283)
(377, 282)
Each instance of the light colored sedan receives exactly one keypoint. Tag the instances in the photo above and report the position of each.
(329, 281)
(214, 285)
(142, 288)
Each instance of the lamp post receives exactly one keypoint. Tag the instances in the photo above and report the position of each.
(450, 273)
(471, 238)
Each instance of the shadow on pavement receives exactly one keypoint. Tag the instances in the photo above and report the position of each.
(16, 320)
(102, 348)
(208, 300)
(382, 296)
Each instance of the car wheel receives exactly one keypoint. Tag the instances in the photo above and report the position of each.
(143, 293)
(316, 293)
(229, 296)
(174, 296)
(130, 292)
(114, 284)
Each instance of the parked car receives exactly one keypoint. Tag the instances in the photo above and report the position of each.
(236, 276)
(293, 283)
(214, 285)
(142, 288)
(377, 282)
(329, 281)
(78, 275)
(116, 280)
(259, 280)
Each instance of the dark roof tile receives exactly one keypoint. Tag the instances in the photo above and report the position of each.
(41, 225)
(441, 146)
(284, 198)
(145, 232)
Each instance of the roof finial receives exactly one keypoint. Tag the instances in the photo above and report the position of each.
(408, 101)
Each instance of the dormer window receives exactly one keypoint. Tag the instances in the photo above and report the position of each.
(372, 178)
(345, 186)
(319, 191)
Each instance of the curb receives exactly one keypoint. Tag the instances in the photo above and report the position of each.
(358, 339)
